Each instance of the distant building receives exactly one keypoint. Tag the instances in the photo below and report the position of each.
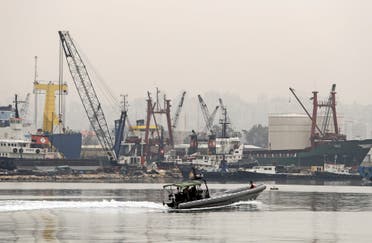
(6, 112)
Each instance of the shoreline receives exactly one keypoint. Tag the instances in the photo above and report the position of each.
(115, 178)
(90, 178)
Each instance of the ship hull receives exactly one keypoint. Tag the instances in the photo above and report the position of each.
(187, 173)
(240, 176)
(68, 144)
(350, 153)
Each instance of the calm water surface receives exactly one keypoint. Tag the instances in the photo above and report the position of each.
(98, 212)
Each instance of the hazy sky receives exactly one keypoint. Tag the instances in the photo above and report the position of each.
(247, 48)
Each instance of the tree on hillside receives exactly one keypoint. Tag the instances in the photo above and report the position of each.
(257, 135)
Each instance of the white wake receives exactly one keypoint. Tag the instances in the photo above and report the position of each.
(22, 205)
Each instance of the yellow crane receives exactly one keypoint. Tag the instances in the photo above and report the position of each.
(50, 118)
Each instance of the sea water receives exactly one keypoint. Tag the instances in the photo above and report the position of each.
(104, 212)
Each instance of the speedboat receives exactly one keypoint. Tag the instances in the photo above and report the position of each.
(195, 194)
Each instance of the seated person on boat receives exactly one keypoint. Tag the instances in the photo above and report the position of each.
(185, 192)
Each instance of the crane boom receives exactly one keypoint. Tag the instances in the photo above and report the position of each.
(178, 111)
(221, 103)
(205, 110)
(87, 93)
(224, 110)
(210, 121)
(327, 116)
(304, 108)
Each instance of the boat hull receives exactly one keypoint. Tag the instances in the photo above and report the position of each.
(227, 198)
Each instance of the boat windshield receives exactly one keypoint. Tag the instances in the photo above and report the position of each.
(184, 192)
(183, 185)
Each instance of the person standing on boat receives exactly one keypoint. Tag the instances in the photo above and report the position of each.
(252, 185)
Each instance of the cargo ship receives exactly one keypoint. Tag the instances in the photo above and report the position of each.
(310, 140)
(348, 152)
(297, 141)
(20, 148)
(43, 151)
(67, 144)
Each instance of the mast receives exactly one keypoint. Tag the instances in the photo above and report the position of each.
(334, 113)
(16, 106)
(314, 118)
(61, 100)
(224, 121)
(36, 94)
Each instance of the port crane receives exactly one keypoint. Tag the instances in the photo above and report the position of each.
(178, 111)
(318, 135)
(327, 112)
(306, 111)
(50, 118)
(154, 108)
(208, 117)
(211, 118)
(87, 94)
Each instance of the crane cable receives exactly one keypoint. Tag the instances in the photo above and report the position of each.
(108, 95)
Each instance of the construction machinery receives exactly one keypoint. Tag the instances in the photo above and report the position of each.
(157, 145)
(318, 135)
(208, 117)
(178, 111)
(87, 94)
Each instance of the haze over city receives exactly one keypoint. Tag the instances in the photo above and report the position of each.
(245, 49)
(185, 121)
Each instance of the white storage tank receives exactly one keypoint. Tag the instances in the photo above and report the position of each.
(289, 131)
(292, 131)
